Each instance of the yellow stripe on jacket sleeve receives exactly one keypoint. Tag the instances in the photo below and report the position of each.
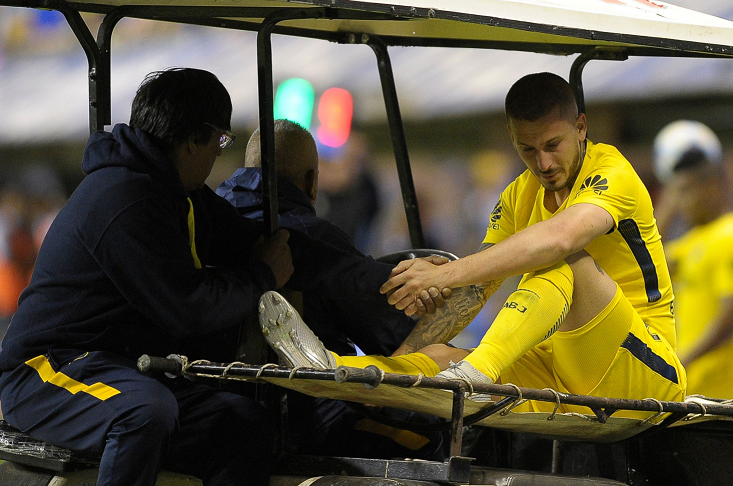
(48, 375)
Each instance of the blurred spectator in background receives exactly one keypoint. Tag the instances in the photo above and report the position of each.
(441, 183)
(16, 266)
(490, 172)
(29, 200)
(688, 161)
(348, 195)
(47, 32)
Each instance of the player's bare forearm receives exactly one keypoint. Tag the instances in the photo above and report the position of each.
(451, 319)
(467, 309)
(536, 247)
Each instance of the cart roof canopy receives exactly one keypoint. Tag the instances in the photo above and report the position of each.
(643, 27)
(621, 28)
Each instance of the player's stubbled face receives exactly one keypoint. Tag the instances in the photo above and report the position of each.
(551, 147)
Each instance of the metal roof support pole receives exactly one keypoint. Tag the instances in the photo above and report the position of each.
(94, 59)
(399, 143)
(576, 70)
(267, 116)
(103, 88)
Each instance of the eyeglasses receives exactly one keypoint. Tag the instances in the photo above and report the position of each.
(226, 139)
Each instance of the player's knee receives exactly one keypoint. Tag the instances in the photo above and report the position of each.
(593, 290)
(584, 266)
(587, 273)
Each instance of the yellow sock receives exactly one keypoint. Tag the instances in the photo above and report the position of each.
(531, 314)
(407, 364)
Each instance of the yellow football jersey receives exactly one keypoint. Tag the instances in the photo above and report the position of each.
(631, 253)
(702, 272)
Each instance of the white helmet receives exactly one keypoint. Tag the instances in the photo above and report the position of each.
(676, 140)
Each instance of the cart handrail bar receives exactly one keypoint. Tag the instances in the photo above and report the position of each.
(372, 377)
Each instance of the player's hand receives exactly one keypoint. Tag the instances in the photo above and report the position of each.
(430, 300)
(407, 282)
(275, 252)
(436, 259)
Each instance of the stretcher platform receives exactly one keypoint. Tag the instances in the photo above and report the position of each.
(562, 425)
(570, 417)
(493, 407)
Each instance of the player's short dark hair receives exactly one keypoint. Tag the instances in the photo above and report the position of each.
(175, 103)
(537, 95)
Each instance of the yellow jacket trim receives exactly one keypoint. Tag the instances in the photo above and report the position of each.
(48, 375)
(192, 234)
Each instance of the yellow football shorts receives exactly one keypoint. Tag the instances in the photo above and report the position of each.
(614, 355)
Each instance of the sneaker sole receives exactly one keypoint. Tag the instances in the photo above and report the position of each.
(289, 336)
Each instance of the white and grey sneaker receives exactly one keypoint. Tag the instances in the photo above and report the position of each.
(465, 371)
(289, 336)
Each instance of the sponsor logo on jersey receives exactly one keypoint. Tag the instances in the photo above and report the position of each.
(495, 216)
(596, 183)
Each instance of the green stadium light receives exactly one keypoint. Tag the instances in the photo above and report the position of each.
(294, 101)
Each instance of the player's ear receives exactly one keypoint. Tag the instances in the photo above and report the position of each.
(510, 129)
(581, 126)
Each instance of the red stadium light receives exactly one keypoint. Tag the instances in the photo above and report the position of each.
(335, 110)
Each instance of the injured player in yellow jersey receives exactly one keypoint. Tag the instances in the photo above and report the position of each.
(568, 327)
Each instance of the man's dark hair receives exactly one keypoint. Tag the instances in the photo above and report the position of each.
(537, 95)
(174, 104)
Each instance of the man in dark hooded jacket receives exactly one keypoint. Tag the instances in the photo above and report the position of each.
(378, 329)
(143, 258)
(124, 270)
(322, 426)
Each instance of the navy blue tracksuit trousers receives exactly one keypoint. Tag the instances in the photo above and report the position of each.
(99, 404)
